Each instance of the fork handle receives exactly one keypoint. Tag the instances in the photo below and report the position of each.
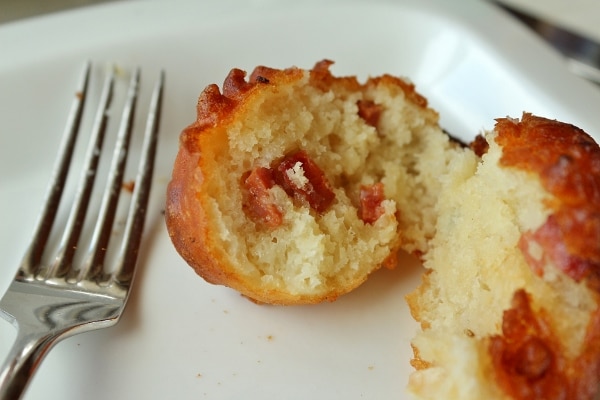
(23, 360)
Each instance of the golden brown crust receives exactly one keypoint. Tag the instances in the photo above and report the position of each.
(187, 219)
(527, 357)
(215, 107)
(547, 346)
(567, 161)
(412, 299)
(187, 226)
(529, 361)
(417, 362)
(185, 215)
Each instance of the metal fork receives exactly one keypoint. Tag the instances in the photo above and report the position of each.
(50, 301)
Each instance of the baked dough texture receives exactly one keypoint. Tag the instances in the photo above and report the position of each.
(236, 208)
(293, 186)
(509, 303)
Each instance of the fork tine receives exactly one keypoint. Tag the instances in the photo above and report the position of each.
(33, 255)
(46, 311)
(134, 227)
(68, 244)
(93, 264)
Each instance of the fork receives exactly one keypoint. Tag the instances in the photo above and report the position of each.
(48, 301)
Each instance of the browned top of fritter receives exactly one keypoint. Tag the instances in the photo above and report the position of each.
(567, 160)
(527, 356)
(188, 195)
(214, 106)
(529, 362)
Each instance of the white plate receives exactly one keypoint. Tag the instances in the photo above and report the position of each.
(182, 338)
